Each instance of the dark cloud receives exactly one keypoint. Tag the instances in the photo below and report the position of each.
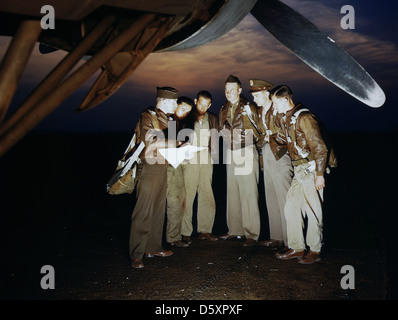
(247, 51)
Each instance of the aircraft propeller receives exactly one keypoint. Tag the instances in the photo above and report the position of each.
(318, 50)
(119, 40)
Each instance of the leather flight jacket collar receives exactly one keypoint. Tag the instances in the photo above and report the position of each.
(245, 117)
(305, 141)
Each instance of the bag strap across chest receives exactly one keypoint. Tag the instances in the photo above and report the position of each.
(291, 137)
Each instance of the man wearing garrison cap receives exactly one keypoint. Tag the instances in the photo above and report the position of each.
(277, 165)
(239, 127)
(149, 212)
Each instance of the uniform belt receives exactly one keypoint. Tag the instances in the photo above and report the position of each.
(238, 146)
(300, 161)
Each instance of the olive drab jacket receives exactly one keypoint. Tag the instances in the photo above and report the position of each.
(213, 127)
(245, 117)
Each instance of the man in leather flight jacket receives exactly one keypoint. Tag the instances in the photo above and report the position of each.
(309, 153)
(239, 128)
(147, 220)
(277, 165)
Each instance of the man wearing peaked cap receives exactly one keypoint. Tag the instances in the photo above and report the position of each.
(238, 126)
(277, 165)
(257, 85)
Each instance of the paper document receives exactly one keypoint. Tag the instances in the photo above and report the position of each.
(175, 156)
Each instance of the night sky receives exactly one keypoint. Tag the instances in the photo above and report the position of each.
(248, 51)
(61, 214)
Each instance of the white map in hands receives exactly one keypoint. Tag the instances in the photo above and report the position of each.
(175, 156)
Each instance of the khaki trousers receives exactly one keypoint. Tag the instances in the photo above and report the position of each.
(198, 180)
(243, 215)
(175, 203)
(148, 216)
(304, 200)
(278, 175)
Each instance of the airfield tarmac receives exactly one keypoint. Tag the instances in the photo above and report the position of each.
(59, 214)
(224, 270)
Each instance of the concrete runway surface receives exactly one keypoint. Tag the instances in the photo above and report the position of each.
(58, 214)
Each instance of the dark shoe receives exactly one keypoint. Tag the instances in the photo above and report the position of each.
(250, 243)
(137, 263)
(163, 253)
(310, 257)
(187, 239)
(271, 243)
(265, 243)
(290, 254)
(180, 244)
(228, 236)
(277, 245)
(207, 236)
(283, 249)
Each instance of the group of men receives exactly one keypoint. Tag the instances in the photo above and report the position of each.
(272, 132)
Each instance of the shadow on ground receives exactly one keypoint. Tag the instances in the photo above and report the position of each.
(55, 211)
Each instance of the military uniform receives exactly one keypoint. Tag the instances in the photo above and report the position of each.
(198, 173)
(277, 167)
(243, 216)
(176, 198)
(147, 220)
(309, 153)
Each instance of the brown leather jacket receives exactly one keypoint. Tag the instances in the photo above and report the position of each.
(308, 137)
(240, 121)
(275, 135)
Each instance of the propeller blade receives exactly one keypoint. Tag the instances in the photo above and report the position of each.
(318, 50)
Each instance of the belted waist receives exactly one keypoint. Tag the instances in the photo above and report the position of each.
(302, 161)
(238, 146)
